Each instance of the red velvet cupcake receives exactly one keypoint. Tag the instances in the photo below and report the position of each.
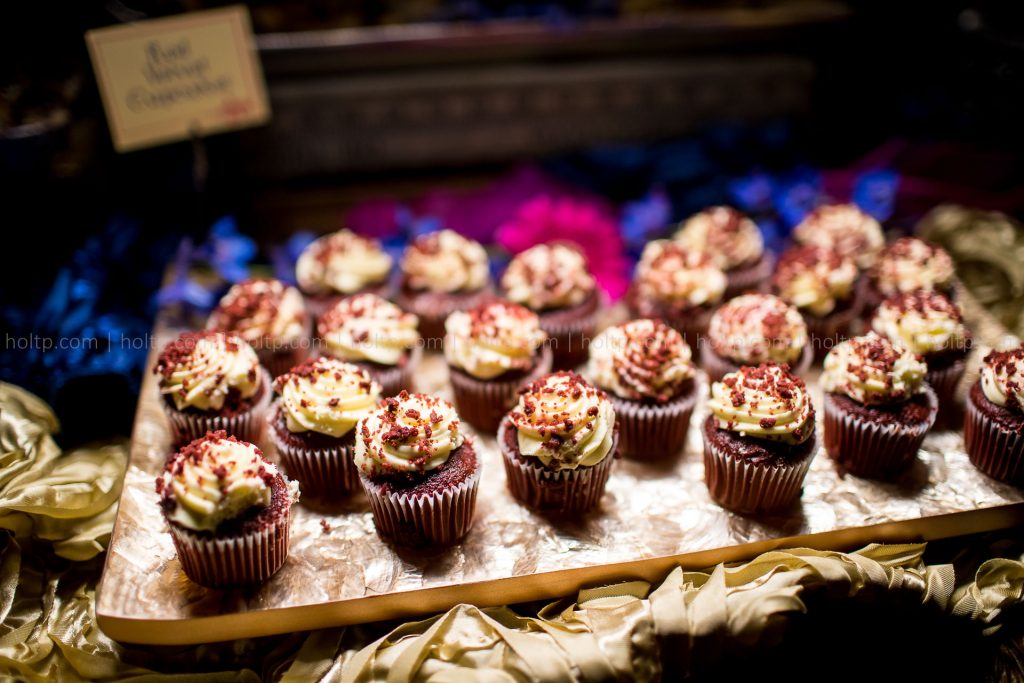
(228, 511)
(647, 370)
(907, 265)
(844, 228)
(341, 264)
(678, 285)
(377, 336)
(558, 445)
(271, 317)
(994, 428)
(212, 381)
(442, 272)
(824, 287)
(734, 242)
(419, 471)
(759, 440)
(553, 281)
(878, 407)
(754, 329)
(930, 325)
(492, 350)
(312, 425)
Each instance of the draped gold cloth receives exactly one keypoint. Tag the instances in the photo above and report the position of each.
(58, 509)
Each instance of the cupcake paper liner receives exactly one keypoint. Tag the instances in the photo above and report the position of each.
(235, 561)
(654, 432)
(247, 426)
(945, 382)
(753, 488)
(483, 403)
(440, 518)
(565, 492)
(997, 452)
(569, 340)
(749, 279)
(324, 474)
(279, 361)
(718, 366)
(871, 450)
(395, 378)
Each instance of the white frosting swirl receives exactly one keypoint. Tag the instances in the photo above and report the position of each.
(326, 396)
(265, 313)
(342, 262)
(814, 279)
(758, 328)
(1002, 378)
(923, 322)
(766, 402)
(547, 276)
(669, 272)
(201, 369)
(445, 261)
(845, 228)
(408, 433)
(641, 359)
(872, 370)
(366, 327)
(732, 239)
(910, 264)
(492, 339)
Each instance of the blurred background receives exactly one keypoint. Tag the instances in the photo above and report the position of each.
(399, 117)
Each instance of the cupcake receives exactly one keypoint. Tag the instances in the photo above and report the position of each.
(753, 329)
(646, 368)
(492, 350)
(271, 317)
(823, 286)
(910, 264)
(341, 264)
(442, 272)
(679, 285)
(312, 424)
(844, 228)
(210, 381)
(553, 281)
(734, 242)
(227, 509)
(759, 439)
(878, 406)
(558, 444)
(377, 336)
(994, 427)
(930, 325)
(419, 471)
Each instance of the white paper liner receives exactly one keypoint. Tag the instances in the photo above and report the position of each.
(993, 450)
(247, 426)
(654, 432)
(440, 518)
(484, 403)
(324, 475)
(754, 488)
(867, 449)
(237, 561)
(718, 366)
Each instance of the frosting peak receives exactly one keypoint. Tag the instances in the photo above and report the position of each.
(910, 264)
(641, 360)
(265, 313)
(758, 328)
(445, 261)
(1002, 378)
(366, 327)
(732, 239)
(407, 433)
(872, 371)
(670, 272)
(923, 322)
(492, 339)
(845, 228)
(814, 278)
(342, 262)
(552, 275)
(326, 396)
(765, 402)
(208, 370)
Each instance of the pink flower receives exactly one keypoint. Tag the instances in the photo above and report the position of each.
(582, 222)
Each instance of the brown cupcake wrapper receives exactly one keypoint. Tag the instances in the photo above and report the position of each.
(996, 452)
(247, 426)
(281, 360)
(441, 518)
(945, 382)
(871, 450)
(565, 492)
(718, 366)
(570, 340)
(753, 488)
(393, 379)
(484, 403)
(324, 475)
(749, 279)
(236, 561)
(654, 432)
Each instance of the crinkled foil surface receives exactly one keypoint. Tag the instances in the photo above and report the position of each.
(649, 511)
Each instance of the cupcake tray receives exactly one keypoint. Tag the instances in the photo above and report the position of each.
(652, 518)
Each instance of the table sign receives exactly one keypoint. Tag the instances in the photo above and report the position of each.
(179, 77)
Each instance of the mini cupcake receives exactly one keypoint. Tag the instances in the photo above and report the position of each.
(210, 381)
(734, 242)
(647, 370)
(994, 427)
(930, 325)
(844, 228)
(679, 285)
(558, 444)
(878, 407)
(492, 350)
(754, 329)
(271, 317)
(910, 264)
(419, 471)
(341, 264)
(377, 336)
(442, 272)
(228, 511)
(312, 424)
(759, 439)
(823, 287)
(553, 281)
